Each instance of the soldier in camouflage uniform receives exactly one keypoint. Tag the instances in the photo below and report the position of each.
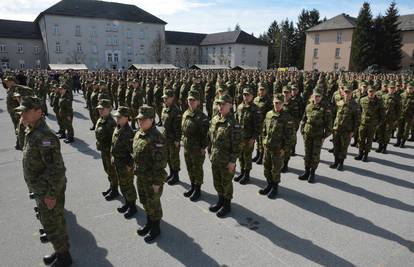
(9, 84)
(345, 124)
(137, 99)
(277, 131)
(93, 111)
(171, 119)
(121, 151)
(150, 158)
(392, 108)
(195, 140)
(158, 101)
(358, 95)
(249, 117)
(406, 119)
(66, 114)
(225, 138)
(315, 127)
(44, 173)
(264, 103)
(104, 130)
(372, 114)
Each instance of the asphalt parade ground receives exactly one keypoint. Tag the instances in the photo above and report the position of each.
(363, 216)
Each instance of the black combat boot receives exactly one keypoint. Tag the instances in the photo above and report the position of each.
(104, 193)
(340, 165)
(411, 139)
(218, 205)
(144, 230)
(304, 176)
(311, 178)
(402, 145)
(132, 209)
(69, 140)
(241, 175)
(197, 193)
(246, 178)
(273, 192)
(123, 208)
(154, 232)
(113, 194)
(293, 152)
(266, 190)
(49, 259)
(335, 164)
(384, 149)
(92, 128)
(398, 142)
(44, 239)
(285, 167)
(225, 209)
(59, 132)
(380, 148)
(190, 191)
(174, 179)
(331, 150)
(169, 175)
(31, 195)
(354, 144)
(62, 136)
(260, 160)
(365, 157)
(360, 155)
(41, 231)
(257, 156)
(62, 260)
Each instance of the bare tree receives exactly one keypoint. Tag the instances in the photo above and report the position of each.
(158, 49)
(186, 57)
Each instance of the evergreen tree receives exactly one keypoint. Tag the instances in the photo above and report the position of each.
(306, 20)
(237, 27)
(379, 35)
(362, 51)
(393, 39)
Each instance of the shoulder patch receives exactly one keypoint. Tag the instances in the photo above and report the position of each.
(159, 145)
(46, 142)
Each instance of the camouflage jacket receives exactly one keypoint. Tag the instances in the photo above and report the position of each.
(65, 105)
(121, 146)
(171, 120)
(149, 152)
(194, 128)
(104, 130)
(407, 106)
(347, 116)
(392, 106)
(317, 121)
(277, 130)
(264, 104)
(249, 117)
(372, 111)
(43, 166)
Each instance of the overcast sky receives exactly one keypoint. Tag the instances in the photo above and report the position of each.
(218, 15)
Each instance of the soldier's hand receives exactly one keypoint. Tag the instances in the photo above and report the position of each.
(50, 202)
(231, 167)
(156, 188)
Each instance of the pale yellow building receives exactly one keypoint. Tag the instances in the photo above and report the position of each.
(328, 44)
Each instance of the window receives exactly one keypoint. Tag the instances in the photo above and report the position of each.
(221, 50)
(243, 51)
(109, 57)
(242, 62)
(142, 34)
(213, 62)
(229, 50)
(337, 52)
(194, 51)
(116, 57)
(142, 49)
(19, 48)
(177, 51)
(315, 53)
(38, 65)
(79, 47)
(36, 50)
(260, 52)
(317, 38)
(108, 41)
(58, 48)
(214, 51)
(128, 34)
(339, 37)
(77, 30)
(55, 29)
(108, 27)
(114, 27)
(336, 66)
(94, 49)
(21, 64)
(259, 64)
(314, 66)
(3, 48)
(94, 34)
(129, 50)
(115, 41)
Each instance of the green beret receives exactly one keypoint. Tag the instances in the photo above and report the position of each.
(224, 99)
(248, 90)
(317, 91)
(168, 93)
(28, 103)
(193, 94)
(104, 103)
(146, 112)
(122, 112)
(278, 97)
(391, 84)
(286, 89)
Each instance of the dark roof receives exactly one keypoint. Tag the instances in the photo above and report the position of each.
(342, 21)
(100, 9)
(19, 29)
(407, 22)
(184, 38)
(232, 37)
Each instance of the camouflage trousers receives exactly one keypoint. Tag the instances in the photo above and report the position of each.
(43, 103)
(15, 120)
(58, 118)
(94, 115)
(289, 150)
(109, 168)
(194, 161)
(260, 146)
(272, 164)
(245, 158)
(313, 146)
(150, 200)
(404, 128)
(341, 141)
(20, 133)
(126, 182)
(173, 156)
(54, 223)
(365, 137)
(67, 120)
(222, 180)
(384, 132)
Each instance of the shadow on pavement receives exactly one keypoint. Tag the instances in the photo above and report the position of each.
(79, 116)
(84, 148)
(84, 249)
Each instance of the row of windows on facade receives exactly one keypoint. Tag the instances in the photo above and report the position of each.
(338, 38)
(213, 50)
(337, 53)
(22, 64)
(20, 49)
(94, 33)
(94, 48)
(335, 66)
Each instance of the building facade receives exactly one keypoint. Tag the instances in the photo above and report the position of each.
(328, 44)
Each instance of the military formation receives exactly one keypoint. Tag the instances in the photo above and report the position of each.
(142, 119)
